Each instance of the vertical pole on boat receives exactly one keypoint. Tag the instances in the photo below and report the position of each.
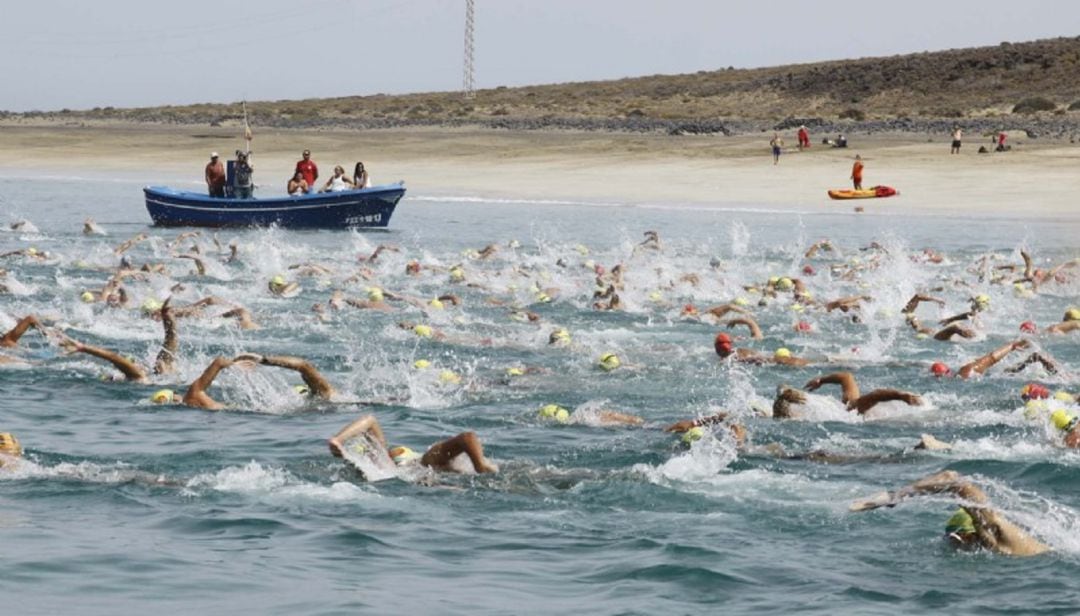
(247, 128)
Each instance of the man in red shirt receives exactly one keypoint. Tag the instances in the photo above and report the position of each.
(215, 176)
(856, 172)
(308, 168)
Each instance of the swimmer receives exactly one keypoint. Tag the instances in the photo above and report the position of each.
(196, 396)
(974, 525)
(847, 304)
(724, 347)
(823, 246)
(981, 364)
(1069, 323)
(10, 449)
(378, 251)
(317, 384)
(723, 309)
(279, 287)
(850, 394)
(439, 456)
(200, 266)
(944, 334)
(1048, 363)
(913, 303)
(602, 417)
(686, 425)
(1068, 424)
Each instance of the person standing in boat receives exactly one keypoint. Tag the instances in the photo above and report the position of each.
(339, 182)
(215, 176)
(360, 178)
(308, 168)
(242, 171)
(856, 172)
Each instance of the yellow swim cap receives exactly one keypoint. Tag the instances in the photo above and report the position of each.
(556, 412)
(457, 274)
(1064, 396)
(782, 353)
(1062, 420)
(514, 372)
(982, 300)
(785, 284)
(960, 523)
(422, 330)
(693, 434)
(420, 364)
(151, 305)
(543, 298)
(797, 307)
(401, 454)
(162, 396)
(375, 294)
(559, 336)
(609, 362)
(1034, 408)
(741, 301)
(582, 249)
(9, 444)
(87, 297)
(436, 303)
(449, 376)
(31, 251)
(277, 281)
(301, 390)
(655, 296)
(1072, 314)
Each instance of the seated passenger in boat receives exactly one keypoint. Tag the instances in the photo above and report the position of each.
(298, 185)
(361, 179)
(338, 182)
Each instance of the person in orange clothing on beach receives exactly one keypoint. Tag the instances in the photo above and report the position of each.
(856, 172)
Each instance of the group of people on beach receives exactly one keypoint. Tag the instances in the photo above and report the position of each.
(303, 181)
(975, 524)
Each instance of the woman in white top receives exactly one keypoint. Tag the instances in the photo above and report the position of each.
(360, 177)
(339, 182)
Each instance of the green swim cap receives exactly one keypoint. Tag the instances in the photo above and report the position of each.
(960, 523)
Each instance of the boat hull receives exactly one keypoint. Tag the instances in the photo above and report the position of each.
(369, 207)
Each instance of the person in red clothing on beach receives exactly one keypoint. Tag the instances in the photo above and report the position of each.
(308, 168)
(804, 137)
(856, 172)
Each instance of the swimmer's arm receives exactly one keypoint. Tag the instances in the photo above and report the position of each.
(199, 386)
(199, 265)
(1064, 327)
(866, 402)
(130, 370)
(954, 329)
(722, 309)
(686, 424)
(917, 299)
(945, 481)
(319, 386)
(616, 417)
(984, 363)
(845, 380)
(11, 338)
(963, 316)
(167, 355)
(1029, 267)
(365, 425)
(755, 330)
(1035, 358)
(122, 248)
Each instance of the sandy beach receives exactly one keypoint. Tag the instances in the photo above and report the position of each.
(1036, 179)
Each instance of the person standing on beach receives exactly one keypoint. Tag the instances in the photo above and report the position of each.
(777, 144)
(957, 136)
(804, 137)
(215, 176)
(308, 168)
(856, 172)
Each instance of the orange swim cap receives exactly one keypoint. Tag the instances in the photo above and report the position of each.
(939, 369)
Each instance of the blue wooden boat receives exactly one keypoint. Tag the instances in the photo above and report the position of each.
(367, 207)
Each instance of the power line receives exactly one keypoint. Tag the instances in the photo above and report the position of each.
(469, 78)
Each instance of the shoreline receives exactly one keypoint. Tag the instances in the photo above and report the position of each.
(1037, 179)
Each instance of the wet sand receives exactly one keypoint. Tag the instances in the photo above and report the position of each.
(1036, 179)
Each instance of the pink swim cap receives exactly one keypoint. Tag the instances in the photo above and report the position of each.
(939, 369)
(1028, 327)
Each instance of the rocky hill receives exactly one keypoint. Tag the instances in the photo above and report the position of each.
(1033, 85)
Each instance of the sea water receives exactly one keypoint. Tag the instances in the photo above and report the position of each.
(121, 506)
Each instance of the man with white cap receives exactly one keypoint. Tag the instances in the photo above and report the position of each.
(215, 176)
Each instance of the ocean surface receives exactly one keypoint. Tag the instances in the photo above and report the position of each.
(123, 507)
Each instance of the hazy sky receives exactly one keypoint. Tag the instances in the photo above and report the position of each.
(87, 53)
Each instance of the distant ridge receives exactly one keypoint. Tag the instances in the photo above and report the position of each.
(980, 86)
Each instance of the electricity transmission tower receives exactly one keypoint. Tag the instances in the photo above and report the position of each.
(469, 78)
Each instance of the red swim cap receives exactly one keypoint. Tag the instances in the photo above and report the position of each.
(1028, 327)
(1034, 391)
(939, 369)
(808, 270)
(722, 344)
(803, 326)
(689, 309)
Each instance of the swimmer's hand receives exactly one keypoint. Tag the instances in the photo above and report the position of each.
(335, 447)
(884, 499)
(812, 384)
(680, 426)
